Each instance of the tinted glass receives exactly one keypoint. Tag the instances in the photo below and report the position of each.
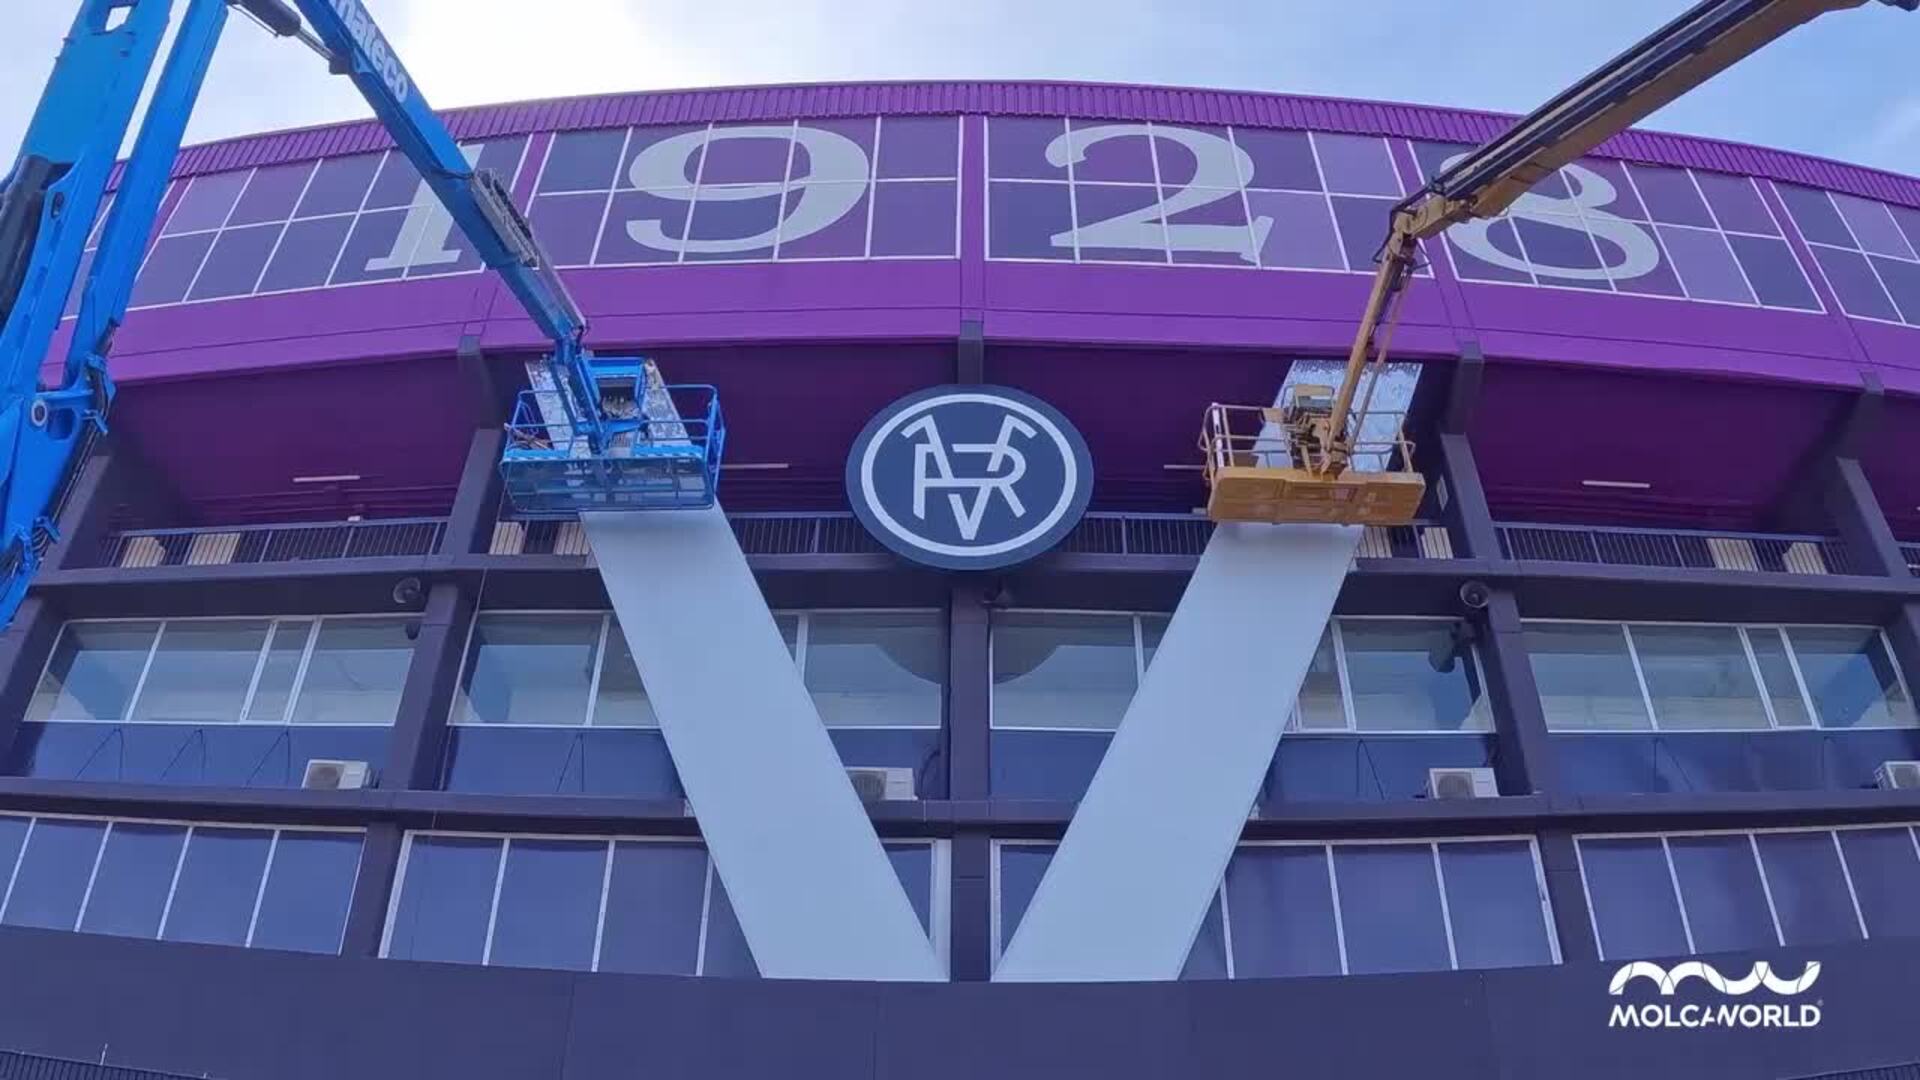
(1320, 703)
(1585, 676)
(877, 670)
(727, 953)
(93, 671)
(136, 873)
(282, 666)
(549, 904)
(309, 887)
(1776, 671)
(1851, 678)
(913, 864)
(356, 672)
(1885, 872)
(1021, 868)
(654, 904)
(1397, 686)
(220, 877)
(1808, 887)
(1720, 884)
(622, 700)
(1699, 677)
(1062, 671)
(445, 899)
(1390, 908)
(1631, 891)
(201, 671)
(1494, 901)
(1282, 906)
(52, 874)
(530, 669)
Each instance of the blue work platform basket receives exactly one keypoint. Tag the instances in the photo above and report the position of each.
(552, 471)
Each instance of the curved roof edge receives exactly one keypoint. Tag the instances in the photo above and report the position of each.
(1077, 99)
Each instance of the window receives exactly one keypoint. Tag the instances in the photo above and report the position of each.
(1644, 230)
(1078, 671)
(864, 669)
(1714, 677)
(308, 224)
(1712, 892)
(1392, 675)
(1868, 250)
(1292, 908)
(326, 671)
(1096, 191)
(852, 188)
(258, 887)
(594, 903)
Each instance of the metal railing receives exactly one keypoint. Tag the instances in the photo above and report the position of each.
(1752, 552)
(220, 545)
(1911, 552)
(16, 1065)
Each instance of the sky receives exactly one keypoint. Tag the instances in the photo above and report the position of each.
(1841, 87)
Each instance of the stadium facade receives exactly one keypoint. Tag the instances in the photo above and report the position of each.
(1669, 413)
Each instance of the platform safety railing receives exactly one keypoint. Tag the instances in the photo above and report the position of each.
(1779, 553)
(220, 545)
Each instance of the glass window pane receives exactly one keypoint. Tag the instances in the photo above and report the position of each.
(1207, 958)
(1390, 908)
(885, 669)
(1705, 264)
(621, 701)
(277, 674)
(583, 160)
(1282, 907)
(549, 904)
(1356, 164)
(1029, 220)
(234, 264)
(1698, 677)
(1320, 705)
(728, 956)
(1152, 629)
(529, 669)
(1493, 898)
(1736, 203)
(338, 185)
(913, 865)
(1873, 227)
(170, 268)
(13, 836)
(1720, 883)
(1808, 887)
(1021, 868)
(914, 219)
(1776, 671)
(1397, 686)
(1585, 676)
(1886, 877)
(445, 899)
(206, 202)
(1631, 891)
(1062, 671)
(1859, 290)
(136, 872)
(1850, 677)
(919, 146)
(52, 874)
(308, 889)
(201, 671)
(219, 885)
(93, 671)
(355, 674)
(653, 908)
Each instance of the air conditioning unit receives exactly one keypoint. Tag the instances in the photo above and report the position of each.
(326, 774)
(881, 784)
(1461, 784)
(1897, 775)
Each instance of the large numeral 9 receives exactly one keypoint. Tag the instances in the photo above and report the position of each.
(660, 170)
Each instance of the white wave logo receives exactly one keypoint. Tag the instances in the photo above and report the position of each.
(1669, 979)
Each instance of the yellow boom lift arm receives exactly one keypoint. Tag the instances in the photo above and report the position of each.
(1294, 462)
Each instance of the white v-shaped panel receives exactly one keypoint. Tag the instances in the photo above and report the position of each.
(1125, 894)
(813, 889)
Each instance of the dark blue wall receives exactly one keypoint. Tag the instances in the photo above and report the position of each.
(239, 1014)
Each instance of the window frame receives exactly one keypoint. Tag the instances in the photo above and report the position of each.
(9, 875)
(1482, 705)
(456, 714)
(939, 906)
(1433, 844)
(1753, 844)
(261, 658)
(1744, 630)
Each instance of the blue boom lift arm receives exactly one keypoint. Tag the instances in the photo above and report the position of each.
(597, 433)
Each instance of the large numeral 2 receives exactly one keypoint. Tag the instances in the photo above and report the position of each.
(1219, 165)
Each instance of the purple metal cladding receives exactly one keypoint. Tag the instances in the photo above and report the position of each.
(805, 350)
